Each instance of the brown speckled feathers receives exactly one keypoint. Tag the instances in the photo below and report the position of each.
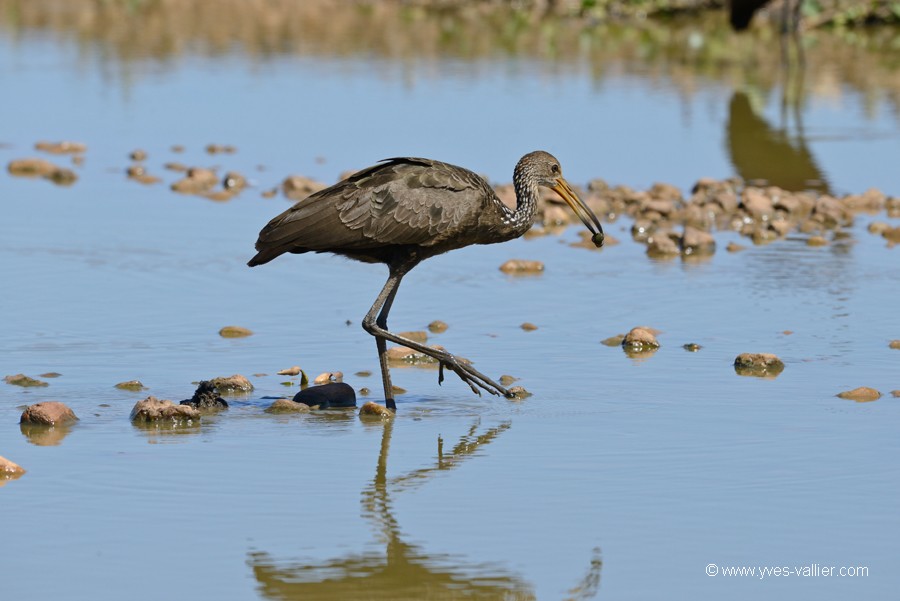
(401, 202)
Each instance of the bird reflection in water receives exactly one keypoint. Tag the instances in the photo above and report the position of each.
(405, 571)
(759, 151)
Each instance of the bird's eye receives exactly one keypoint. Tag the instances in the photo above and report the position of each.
(554, 168)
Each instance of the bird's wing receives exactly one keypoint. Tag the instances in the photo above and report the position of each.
(401, 201)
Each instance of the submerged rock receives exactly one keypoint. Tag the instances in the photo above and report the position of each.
(49, 413)
(23, 380)
(287, 406)
(613, 340)
(640, 338)
(64, 147)
(234, 181)
(206, 397)
(863, 394)
(333, 395)
(234, 332)
(375, 410)
(528, 326)
(132, 385)
(894, 344)
(437, 326)
(9, 470)
(197, 180)
(517, 393)
(297, 187)
(235, 383)
(691, 347)
(416, 336)
(761, 365)
(522, 266)
(153, 409)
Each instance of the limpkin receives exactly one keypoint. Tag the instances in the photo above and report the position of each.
(405, 210)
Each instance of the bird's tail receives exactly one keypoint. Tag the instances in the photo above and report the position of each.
(262, 257)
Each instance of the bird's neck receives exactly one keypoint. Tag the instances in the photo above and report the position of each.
(527, 194)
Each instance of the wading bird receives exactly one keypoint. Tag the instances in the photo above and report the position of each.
(405, 210)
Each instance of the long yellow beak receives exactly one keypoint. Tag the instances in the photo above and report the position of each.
(587, 216)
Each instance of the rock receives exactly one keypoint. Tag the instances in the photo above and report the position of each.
(219, 195)
(506, 380)
(375, 410)
(528, 326)
(133, 385)
(220, 149)
(152, 409)
(871, 200)
(206, 397)
(177, 148)
(196, 181)
(297, 187)
(138, 155)
(895, 393)
(404, 354)
(613, 340)
(763, 365)
(61, 147)
(554, 215)
(334, 395)
(9, 470)
(522, 266)
(517, 393)
(697, 242)
(894, 344)
(816, 241)
(691, 347)
(30, 167)
(829, 211)
(328, 376)
(41, 168)
(234, 332)
(364, 391)
(640, 338)
(175, 166)
(287, 406)
(23, 380)
(734, 247)
(863, 394)
(756, 204)
(416, 336)
(51, 374)
(892, 235)
(234, 181)
(291, 371)
(437, 326)
(363, 374)
(62, 176)
(235, 384)
(661, 245)
(270, 193)
(49, 413)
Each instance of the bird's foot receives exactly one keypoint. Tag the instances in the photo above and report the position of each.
(471, 376)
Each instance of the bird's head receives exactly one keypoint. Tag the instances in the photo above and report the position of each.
(543, 169)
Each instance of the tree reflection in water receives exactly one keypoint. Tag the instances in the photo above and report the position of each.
(405, 571)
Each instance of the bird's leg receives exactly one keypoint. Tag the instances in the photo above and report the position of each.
(370, 323)
(378, 328)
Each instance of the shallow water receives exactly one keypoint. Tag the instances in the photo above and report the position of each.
(620, 478)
